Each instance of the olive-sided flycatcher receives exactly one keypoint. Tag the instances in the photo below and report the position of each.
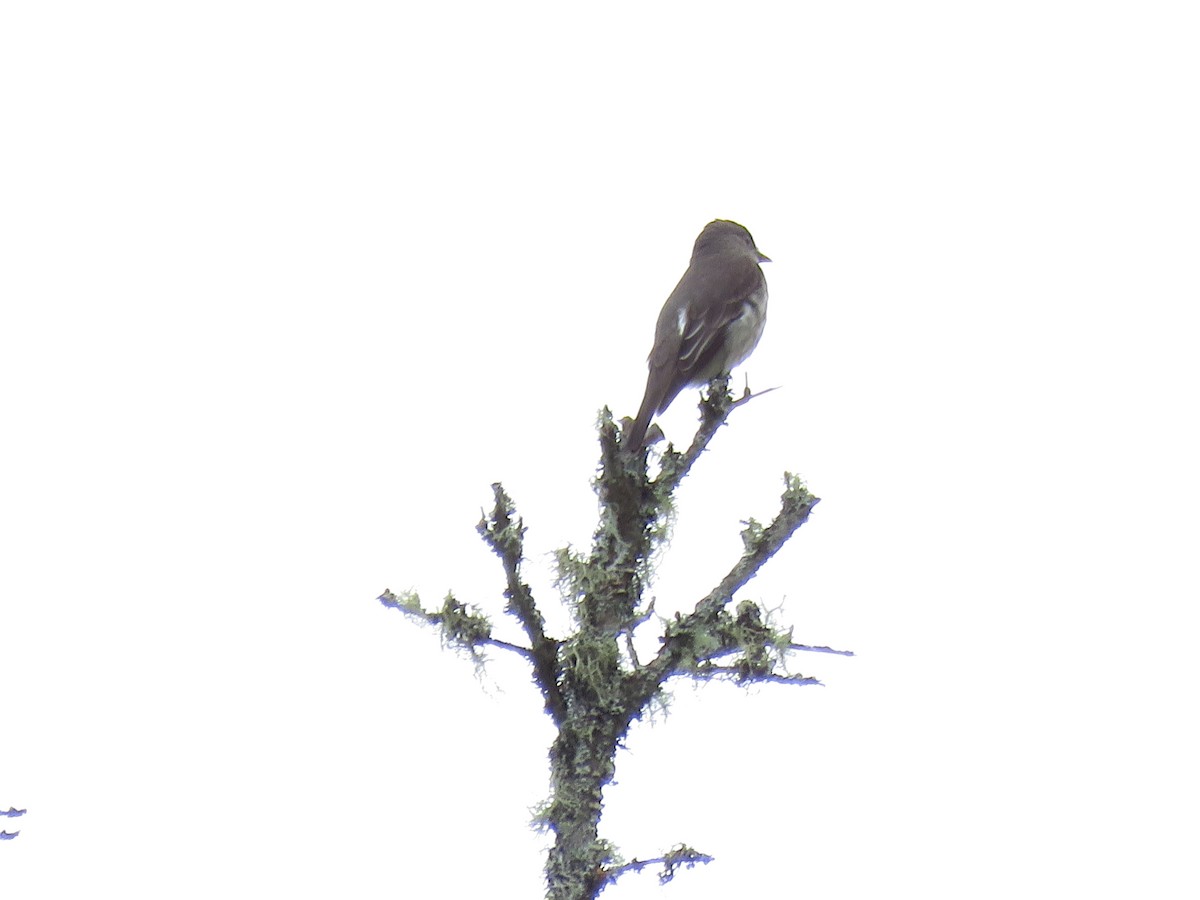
(710, 323)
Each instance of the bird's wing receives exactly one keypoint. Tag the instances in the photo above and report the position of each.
(698, 331)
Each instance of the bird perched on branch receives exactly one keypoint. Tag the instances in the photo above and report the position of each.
(710, 323)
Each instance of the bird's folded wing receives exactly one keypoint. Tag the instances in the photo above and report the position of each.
(705, 323)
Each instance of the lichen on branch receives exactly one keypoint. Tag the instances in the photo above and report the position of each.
(593, 685)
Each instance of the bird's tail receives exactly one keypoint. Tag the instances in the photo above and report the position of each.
(636, 434)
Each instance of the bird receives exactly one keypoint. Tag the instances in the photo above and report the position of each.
(710, 323)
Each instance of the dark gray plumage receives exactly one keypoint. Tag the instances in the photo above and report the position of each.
(711, 322)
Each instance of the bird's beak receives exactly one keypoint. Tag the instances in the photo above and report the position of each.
(762, 257)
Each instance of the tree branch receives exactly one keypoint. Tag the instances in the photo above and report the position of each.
(504, 532)
(716, 404)
(761, 544)
(808, 648)
(593, 690)
(459, 625)
(742, 675)
(683, 855)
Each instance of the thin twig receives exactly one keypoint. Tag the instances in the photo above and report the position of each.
(681, 856)
(716, 403)
(797, 503)
(807, 648)
(733, 673)
(387, 598)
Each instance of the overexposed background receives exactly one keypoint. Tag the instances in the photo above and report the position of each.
(286, 286)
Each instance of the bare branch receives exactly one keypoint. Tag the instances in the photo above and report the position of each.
(716, 403)
(807, 648)
(682, 855)
(741, 675)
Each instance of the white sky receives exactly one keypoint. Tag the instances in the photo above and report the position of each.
(287, 286)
